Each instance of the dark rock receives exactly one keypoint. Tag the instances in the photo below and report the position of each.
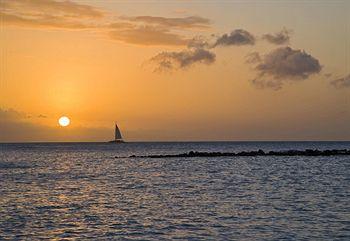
(307, 152)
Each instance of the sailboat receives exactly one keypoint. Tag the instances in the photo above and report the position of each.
(117, 135)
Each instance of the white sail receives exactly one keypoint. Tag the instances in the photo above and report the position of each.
(118, 135)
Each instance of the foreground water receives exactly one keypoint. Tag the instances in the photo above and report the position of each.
(69, 191)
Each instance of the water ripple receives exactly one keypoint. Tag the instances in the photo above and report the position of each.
(70, 192)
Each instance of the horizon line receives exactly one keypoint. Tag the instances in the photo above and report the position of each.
(166, 141)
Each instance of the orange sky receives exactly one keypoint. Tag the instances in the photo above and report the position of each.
(180, 70)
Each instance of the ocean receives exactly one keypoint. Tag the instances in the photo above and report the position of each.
(81, 191)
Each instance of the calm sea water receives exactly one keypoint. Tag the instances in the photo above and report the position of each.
(69, 191)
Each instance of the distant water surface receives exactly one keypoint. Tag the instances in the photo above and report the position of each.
(79, 190)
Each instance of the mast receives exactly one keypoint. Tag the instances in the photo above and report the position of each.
(117, 134)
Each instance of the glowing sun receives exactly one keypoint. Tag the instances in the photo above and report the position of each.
(63, 121)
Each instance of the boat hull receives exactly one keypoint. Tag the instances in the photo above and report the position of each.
(117, 141)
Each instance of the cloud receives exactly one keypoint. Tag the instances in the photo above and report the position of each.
(279, 38)
(67, 8)
(17, 116)
(42, 21)
(192, 22)
(47, 14)
(180, 11)
(198, 42)
(253, 58)
(141, 30)
(328, 75)
(237, 37)
(284, 64)
(261, 83)
(151, 30)
(121, 25)
(147, 35)
(167, 61)
(12, 131)
(341, 82)
(11, 114)
(16, 126)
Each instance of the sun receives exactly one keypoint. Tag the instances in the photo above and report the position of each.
(63, 121)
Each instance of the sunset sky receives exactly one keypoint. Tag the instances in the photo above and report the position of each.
(174, 70)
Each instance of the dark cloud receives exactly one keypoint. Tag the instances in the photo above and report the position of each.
(284, 64)
(262, 83)
(341, 82)
(279, 38)
(166, 61)
(147, 35)
(185, 22)
(253, 58)
(236, 37)
(198, 42)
